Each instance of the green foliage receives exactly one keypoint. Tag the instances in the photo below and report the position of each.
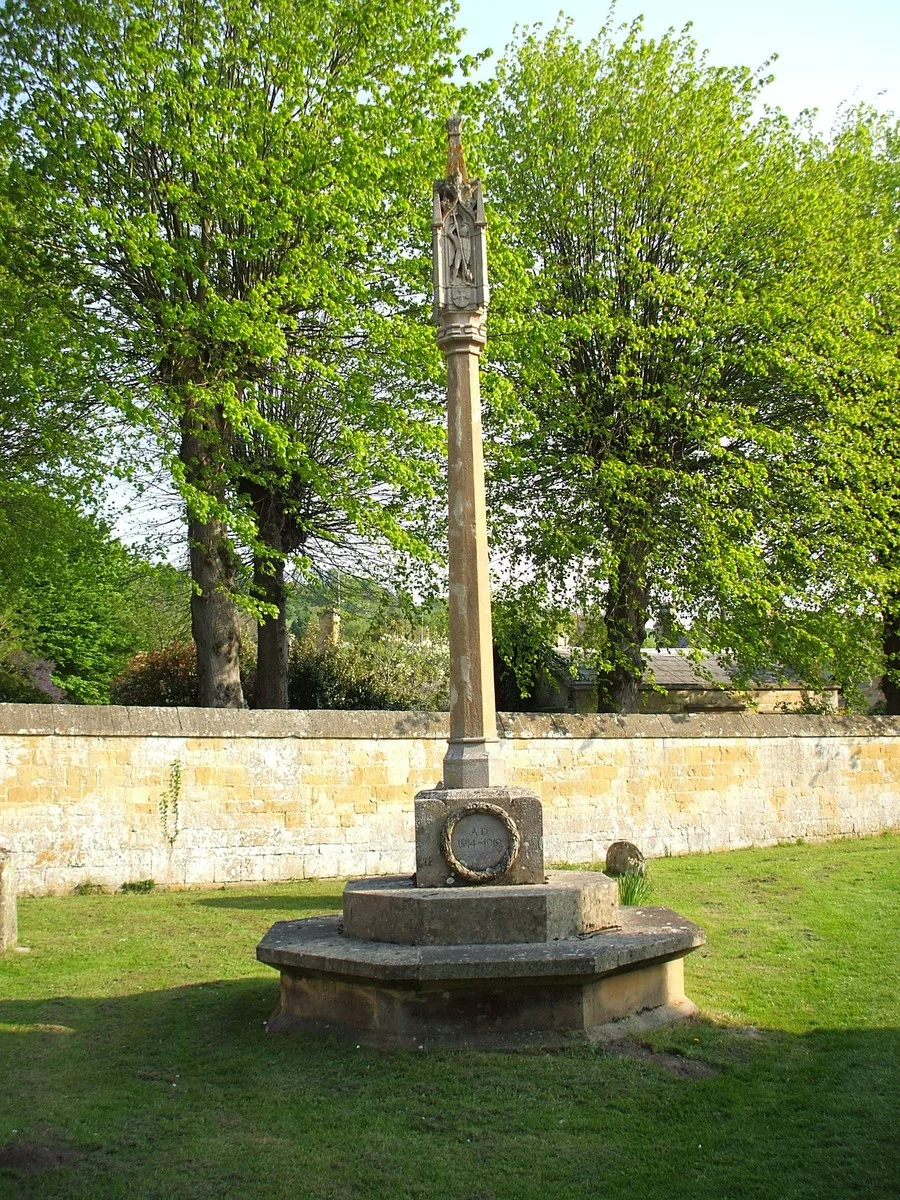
(635, 887)
(63, 585)
(88, 888)
(138, 887)
(385, 672)
(233, 189)
(166, 678)
(364, 604)
(56, 385)
(526, 630)
(24, 679)
(159, 605)
(170, 804)
(681, 321)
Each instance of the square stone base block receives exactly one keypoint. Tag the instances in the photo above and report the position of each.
(521, 808)
(519, 995)
(393, 909)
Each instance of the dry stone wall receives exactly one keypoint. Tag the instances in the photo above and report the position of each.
(89, 795)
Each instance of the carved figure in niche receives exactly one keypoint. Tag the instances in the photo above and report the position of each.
(459, 247)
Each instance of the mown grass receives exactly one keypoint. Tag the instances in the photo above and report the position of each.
(134, 1062)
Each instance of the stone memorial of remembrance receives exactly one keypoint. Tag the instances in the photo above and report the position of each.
(481, 946)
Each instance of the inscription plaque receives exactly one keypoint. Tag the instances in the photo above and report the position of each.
(480, 842)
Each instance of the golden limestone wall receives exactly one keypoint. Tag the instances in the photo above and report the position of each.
(269, 795)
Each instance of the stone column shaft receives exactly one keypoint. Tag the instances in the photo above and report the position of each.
(473, 719)
(461, 296)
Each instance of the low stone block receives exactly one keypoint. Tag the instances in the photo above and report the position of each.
(9, 931)
(393, 909)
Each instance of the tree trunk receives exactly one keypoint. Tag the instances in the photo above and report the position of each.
(618, 690)
(214, 617)
(279, 532)
(271, 636)
(890, 680)
(214, 626)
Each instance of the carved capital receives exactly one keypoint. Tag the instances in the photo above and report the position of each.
(462, 331)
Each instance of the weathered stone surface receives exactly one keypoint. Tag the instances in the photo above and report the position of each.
(71, 720)
(8, 913)
(624, 858)
(324, 794)
(459, 257)
(434, 808)
(392, 909)
(531, 994)
(317, 944)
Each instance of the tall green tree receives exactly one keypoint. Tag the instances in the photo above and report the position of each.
(215, 178)
(681, 303)
(345, 484)
(867, 156)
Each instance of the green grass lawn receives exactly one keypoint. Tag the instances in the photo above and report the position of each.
(134, 1062)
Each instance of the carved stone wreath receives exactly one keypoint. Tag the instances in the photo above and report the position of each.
(489, 873)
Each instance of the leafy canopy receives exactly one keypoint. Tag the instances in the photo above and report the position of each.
(680, 314)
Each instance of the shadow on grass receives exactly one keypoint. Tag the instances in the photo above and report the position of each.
(182, 1093)
(299, 904)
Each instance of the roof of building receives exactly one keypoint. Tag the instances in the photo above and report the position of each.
(676, 670)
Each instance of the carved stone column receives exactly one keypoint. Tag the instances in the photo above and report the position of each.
(460, 306)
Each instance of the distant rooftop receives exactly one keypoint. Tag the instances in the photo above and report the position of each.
(674, 670)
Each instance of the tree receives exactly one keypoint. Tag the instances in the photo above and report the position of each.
(214, 177)
(65, 593)
(867, 152)
(681, 303)
(57, 419)
(361, 455)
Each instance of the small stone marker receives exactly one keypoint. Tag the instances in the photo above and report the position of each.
(8, 924)
(624, 858)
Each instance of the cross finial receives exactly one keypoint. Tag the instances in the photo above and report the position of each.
(456, 163)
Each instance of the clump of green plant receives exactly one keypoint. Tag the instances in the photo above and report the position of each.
(90, 889)
(635, 887)
(138, 887)
(169, 804)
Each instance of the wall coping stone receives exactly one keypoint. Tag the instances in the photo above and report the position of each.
(69, 720)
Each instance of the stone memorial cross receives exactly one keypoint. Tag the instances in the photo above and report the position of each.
(460, 309)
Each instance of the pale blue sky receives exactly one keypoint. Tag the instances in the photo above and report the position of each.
(828, 52)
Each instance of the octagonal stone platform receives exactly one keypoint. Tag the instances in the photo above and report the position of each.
(393, 909)
(489, 995)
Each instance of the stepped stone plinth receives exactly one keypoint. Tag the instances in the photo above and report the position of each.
(590, 987)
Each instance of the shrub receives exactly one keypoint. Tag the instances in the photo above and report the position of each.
(17, 688)
(138, 887)
(388, 672)
(24, 678)
(167, 678)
